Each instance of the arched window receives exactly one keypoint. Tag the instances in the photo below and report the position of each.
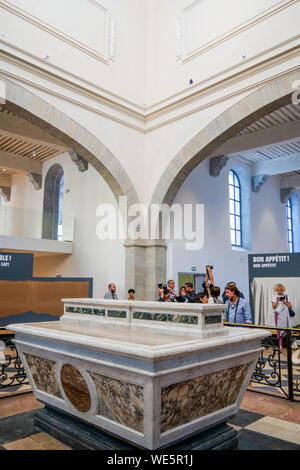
(235, 209)
(290, 225)
(53, 203)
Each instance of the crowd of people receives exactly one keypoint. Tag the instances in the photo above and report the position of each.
(237, 309)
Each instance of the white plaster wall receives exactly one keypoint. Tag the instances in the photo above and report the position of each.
(76, 36)
(214, 36)
(268, 227)
(269, 219)
(103, 260)
(22, 214)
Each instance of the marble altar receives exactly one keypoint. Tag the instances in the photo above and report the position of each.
(149, 373)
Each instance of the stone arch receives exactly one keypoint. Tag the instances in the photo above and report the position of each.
(256, 105)
(27, 105)
(263, 101)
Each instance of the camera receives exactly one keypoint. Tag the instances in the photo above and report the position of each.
(282, 298)
(160, 285)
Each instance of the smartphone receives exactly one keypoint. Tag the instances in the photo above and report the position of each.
(282, 298)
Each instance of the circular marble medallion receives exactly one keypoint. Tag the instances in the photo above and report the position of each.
(75, 388)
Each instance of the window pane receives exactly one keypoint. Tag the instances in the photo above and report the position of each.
(232, 237)
(231, 207)
(231, 177)
(237, 194)
(238, 238)
(236, 181)
(238, 223)
(237, 208)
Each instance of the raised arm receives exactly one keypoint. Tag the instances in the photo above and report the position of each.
(209, 275)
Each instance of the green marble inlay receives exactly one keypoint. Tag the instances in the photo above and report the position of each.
(210, 319)
(166, 317)
(116, 313)
(75, 310)
(100, 313)
(70, 309)
(86, 311)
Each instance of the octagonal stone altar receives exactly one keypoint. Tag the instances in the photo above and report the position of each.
(149, 373)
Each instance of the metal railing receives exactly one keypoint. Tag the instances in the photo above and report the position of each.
(12, 373)
(276, 371)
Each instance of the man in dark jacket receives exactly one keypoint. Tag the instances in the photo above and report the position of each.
(190, 293)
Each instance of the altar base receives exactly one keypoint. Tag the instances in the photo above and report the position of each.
(80, 436)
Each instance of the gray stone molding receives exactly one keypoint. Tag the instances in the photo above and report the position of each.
(36, 180)
(81, 163)
(286, 193)
(216, 164)
(145, 243)
(5, 192)
(257, 181)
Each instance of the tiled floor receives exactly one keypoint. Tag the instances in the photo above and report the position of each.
(263, 423)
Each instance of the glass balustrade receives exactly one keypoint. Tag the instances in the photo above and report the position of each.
(27, 223)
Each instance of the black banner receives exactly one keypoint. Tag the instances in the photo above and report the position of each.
(16, 265)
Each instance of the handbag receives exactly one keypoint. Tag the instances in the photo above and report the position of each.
(291, 311)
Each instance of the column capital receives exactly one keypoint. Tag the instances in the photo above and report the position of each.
(286, 193)
(216, 164)
(36, 180)
(257, 181)
(81, 163)
(141, 243)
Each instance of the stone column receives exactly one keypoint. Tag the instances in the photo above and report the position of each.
(145, 266)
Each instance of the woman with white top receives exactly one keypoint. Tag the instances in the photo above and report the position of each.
(281, 306)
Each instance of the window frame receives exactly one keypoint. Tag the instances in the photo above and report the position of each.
(238, 202)
(290, 231)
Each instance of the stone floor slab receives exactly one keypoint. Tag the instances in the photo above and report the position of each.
(277, 428)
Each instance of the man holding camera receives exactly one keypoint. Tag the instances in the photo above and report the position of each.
(168, 294)
(165, 293)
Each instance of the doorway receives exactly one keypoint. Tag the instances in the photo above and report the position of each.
(196, 279)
